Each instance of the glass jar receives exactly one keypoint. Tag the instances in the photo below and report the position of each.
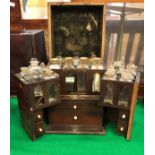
(76, 61)
(34, 70)
(38, 92)
(48, 73)
(126, 76)
(96, 63)
(118, 65)
(83, 63)
(132, 69)
(23, 72)
(110, 74)
(54, 63)
(34, 62)
(68, 63)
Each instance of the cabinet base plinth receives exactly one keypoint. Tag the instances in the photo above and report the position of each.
(75, 129)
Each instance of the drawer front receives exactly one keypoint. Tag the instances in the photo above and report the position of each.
(70, 117)
(124, 115)
(77, 105)
(38, 116)
(39, 128)
(122, 127)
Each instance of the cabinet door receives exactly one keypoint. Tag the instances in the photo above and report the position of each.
(24, 46)
(21, 50)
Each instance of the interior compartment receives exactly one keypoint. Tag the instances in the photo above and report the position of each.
(76, 30)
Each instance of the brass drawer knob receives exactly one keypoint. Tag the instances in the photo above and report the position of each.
(75, 117)
(74, 107)
(122, 129)
(39, 116)
(40, 130)
(123, 116)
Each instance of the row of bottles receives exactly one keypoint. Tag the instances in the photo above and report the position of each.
(78, 83)
(119, 72)
(36, 71)
(76, 63)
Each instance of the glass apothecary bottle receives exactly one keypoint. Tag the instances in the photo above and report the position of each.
(83, 63)
(38, 91)
(127, 76)
(76, 61)
(49, 74)
(34, 70)
(108, 98)
(96, 63)
(124, 96)
(23, 72)
(55, 63)
(68, 63)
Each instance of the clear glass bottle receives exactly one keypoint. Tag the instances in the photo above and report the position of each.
(76, 61)
(96, 63)
(68, 63)
(55, 63)
(23, 72)
(34, 70)
(48, 74)
(83, 63)
(38, 91)
(108, 97)
(123, 99)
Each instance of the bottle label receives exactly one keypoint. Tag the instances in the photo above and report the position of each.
(70, 79)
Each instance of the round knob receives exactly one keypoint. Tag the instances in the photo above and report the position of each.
(38, 116)
(74, 107)
(122, 129)
(75, 117)
(31, 109)
(123, 116)
(40, 130)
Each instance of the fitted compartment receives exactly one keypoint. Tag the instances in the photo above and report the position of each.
(77, 30)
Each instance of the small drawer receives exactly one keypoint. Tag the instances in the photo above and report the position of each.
(122, 127)
(124, 115)
(77, 105)
(39, 128)
(71, 117)
(38, 116)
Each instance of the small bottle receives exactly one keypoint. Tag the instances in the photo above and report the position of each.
(76, 61)
(23, 71)
(83, 63)
(54, 63)
(96, 63)
(68, 63)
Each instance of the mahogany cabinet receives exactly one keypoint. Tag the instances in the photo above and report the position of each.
(76, 29)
